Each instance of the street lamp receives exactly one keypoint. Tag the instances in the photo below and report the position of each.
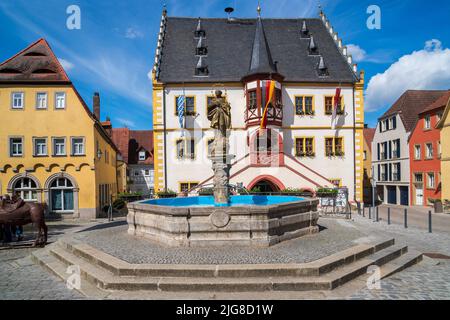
(374, 184)
(99, 154)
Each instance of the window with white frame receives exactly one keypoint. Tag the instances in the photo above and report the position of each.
(41, 100)
(78, 146)
(427, 122)
(60, 100)
(429, 150)
(59, 146)
(430, 180)
(16, 147)
(141, 155)
(417, 152)
(40, 147)
(26, 189)
(17, 100)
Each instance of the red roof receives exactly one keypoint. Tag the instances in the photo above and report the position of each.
(37, 62)
(439, 103)
(369, 133)
(130, 142)
(411, 103)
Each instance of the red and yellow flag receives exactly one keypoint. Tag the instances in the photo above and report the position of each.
(268, 89)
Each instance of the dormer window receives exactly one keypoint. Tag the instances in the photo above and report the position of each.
(142, 155)
(199, 32)
(313, 49)
(322, 68)
(201, 69)
(201, 49)
(304, 30)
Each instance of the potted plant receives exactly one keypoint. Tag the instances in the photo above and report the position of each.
(206, 192)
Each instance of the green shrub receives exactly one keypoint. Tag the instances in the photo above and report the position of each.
(206, 192)
(166, 194)
(118, 204)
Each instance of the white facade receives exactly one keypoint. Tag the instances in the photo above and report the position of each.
(141, 178)
(296, 172)
(390, 187)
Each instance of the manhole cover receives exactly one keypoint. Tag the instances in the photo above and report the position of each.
(433, 255)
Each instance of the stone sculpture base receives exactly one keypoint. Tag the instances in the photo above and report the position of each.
(219, 226)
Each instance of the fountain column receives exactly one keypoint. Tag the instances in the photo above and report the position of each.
(219, 114)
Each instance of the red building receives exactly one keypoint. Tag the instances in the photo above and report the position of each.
(425, 154)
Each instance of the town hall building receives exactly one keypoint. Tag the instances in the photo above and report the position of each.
(306, 144)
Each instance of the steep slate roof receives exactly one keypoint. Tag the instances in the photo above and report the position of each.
(230, 45)
(369, 133)
(37, 62)
(261, 58)
(410, 104)
(130, 142)
(439, 103)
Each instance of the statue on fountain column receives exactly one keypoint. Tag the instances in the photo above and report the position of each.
(219, 114)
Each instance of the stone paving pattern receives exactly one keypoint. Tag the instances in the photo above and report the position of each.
(115, 241)
(20, 279)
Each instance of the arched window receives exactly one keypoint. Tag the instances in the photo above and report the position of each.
(61, 195)
(25, 188)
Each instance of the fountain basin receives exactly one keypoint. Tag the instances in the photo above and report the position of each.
(246, 220)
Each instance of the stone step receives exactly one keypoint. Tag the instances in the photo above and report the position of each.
(315, 268)
(407, 260)
(106, 280)
(49, 262)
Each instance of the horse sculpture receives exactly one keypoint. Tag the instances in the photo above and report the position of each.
(19, 213)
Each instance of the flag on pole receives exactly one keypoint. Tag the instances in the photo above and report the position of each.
(337, 99)
(268, 89)
(181, 103)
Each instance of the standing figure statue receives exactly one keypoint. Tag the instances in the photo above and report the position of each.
(219, 113)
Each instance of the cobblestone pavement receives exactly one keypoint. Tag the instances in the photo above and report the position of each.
(21, 279)
(429, 280)
(335, 236)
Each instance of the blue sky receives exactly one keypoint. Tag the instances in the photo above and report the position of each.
(114, 50)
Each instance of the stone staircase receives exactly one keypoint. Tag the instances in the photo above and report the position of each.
(105, 273)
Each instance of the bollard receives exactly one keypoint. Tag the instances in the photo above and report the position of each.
(364, 211)
(430, 230)
(377, 218)
(370, 213)
(389, 215)
(406, 218)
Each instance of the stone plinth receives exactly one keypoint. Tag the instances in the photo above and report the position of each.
(212, 226)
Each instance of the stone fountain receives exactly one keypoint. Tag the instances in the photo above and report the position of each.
(223, 219)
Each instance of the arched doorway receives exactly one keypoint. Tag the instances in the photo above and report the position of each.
(266, 183)
(61, 196)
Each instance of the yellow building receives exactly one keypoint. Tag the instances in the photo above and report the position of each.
(367, 164)
(53, 149)
(444, 126)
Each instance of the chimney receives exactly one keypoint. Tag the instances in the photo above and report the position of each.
(96, 105)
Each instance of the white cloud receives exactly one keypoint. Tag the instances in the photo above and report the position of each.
(428, 68)
(133, 33)
(358, 53)
(67, 65)
(126, 122)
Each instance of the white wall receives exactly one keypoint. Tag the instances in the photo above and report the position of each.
(199, 169)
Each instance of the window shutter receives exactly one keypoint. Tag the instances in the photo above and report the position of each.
(399, 172)
(398, 148)
(378, 148)
(390, 172)
(379, 124)
(394, 122)
(379, 173)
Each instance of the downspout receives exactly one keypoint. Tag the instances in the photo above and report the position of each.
(354, 147)
(165, 138)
